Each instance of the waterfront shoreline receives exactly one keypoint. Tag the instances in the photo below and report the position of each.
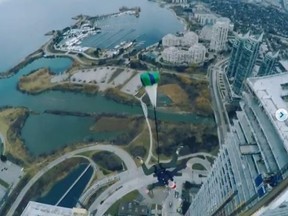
(27, 60)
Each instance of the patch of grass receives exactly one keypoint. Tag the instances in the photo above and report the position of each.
(175, 93)
(11, 123)
(40, 81)
(36, 82)
(201, 156)
(3, 183)
(140, 145)
(115, 74)
(198, 166)
(113, 210)
(194, 138)
(86, 88)
(108, 124)
(120, 97)
(214, 151)
(210, 159)
(199, 94)
(108, 161)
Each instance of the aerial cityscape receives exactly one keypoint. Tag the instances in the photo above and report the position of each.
(144, 108)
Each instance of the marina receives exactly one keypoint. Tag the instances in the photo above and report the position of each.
(100, 35)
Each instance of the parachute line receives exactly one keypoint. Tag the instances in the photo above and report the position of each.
(157, 137)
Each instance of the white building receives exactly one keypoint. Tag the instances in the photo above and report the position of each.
(188, 39)
(195, 54)
(179, 1)
(205, 18)
(173, 55)
(40, 209)
(206, 33)
(219, 34)
(171, 40)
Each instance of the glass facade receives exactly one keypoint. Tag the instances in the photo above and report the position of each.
(245, 51)
(267, 66)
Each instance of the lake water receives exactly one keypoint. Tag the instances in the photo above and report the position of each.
(59, 189)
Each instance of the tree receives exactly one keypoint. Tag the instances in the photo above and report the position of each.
(3, 158)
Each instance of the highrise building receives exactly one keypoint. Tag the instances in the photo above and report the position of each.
(219, 34)
(268, 64)
(254, 157)
(245, 51)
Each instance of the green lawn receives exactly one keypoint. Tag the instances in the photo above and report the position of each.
(4, 184)
(198, 166)
(211, 160)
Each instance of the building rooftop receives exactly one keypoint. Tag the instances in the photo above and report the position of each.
(271, 92)
(40, 209)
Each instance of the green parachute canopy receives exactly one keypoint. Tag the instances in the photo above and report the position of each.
(149, 78)
(150, 81)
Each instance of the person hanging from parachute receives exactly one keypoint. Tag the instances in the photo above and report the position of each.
(160, 170)
(150, 81)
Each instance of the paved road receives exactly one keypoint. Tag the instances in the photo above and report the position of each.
(128, 161)
(98, 184)
(205, 163)
(191, 155)
(219, 109)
